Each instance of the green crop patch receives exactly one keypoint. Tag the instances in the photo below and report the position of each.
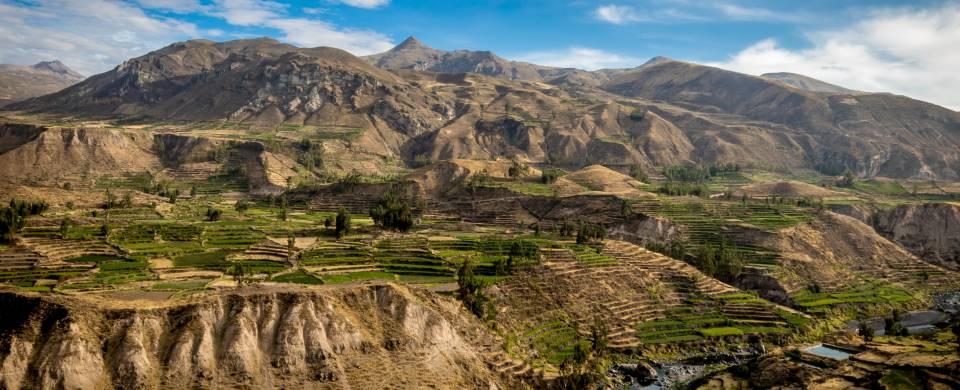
(210, 259)
(720, 332)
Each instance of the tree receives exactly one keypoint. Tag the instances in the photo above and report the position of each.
(241, 206)
(213, 214)
(550, 176)
(283, 207)
(866, 331)
(470, 290)
(636, 172)
(343, 223)
(111, 200)
(65, 226)
(193, 191)
(127, 201)
(241, 274)
(328, 222)
(517, 169)
(848, 179)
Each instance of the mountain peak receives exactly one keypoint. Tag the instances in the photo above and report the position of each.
(55, 66)
(656, 61)
(411, 43)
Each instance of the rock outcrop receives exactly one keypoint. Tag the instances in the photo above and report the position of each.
(370, 336)
(929, 230)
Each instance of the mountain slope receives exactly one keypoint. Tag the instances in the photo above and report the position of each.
(429, 104)
(414, 54)
(258, 82)
(872, 134)
(806, 83)
(23, 82)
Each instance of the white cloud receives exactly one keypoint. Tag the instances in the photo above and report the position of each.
(248, 12)
(905, 51)
(368, 4)
(178, 6)
(89, 36)
(300, 31)
(665, 11)
(580, 58)
(617, 14)
(311, 33)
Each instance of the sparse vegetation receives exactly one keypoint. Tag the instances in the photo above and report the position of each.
(342, 223)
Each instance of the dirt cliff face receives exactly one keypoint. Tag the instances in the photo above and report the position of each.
(371, 336)
(38, 152)
(931, 231)
(835, 251)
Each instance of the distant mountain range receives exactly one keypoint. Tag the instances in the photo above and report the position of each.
(22, 82)
(416, 102)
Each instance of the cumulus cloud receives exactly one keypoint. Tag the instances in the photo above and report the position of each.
(368, 4)
(89, 36)
(580, 58)
(301, 31)
(178, 6)
(617, 14)
(906, 51)
(666, 11)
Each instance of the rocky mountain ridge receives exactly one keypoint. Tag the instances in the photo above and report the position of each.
(23, 82)
(431, 104)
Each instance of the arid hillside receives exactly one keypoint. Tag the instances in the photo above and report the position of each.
(422, 104)
(369, 336)
(24, 82)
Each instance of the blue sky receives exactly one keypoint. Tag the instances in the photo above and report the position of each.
(904, 47)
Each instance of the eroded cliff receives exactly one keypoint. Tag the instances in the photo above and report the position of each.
(369, 336)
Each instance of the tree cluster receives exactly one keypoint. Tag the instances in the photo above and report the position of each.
(393, 210)
(550, 176)
(724, 262)
(125, 202)
(676, 249)
(590, 232)
(680, 188)
(517, 169)
(13, 218)
(311, 154)
(586, 366)
(699, 173)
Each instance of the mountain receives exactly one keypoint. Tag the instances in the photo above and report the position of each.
(414, 54)
(260, 82)
(871, 134)
(22, 82)
(418, 103)
(806, 83)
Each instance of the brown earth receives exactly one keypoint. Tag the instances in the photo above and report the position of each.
(929, 230)
(666, 112)
(365, 336)
(787, 189)
(835, 251)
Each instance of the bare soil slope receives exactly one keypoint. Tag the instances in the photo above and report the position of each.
(369, 336)
(787, 189)
(836, 251)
